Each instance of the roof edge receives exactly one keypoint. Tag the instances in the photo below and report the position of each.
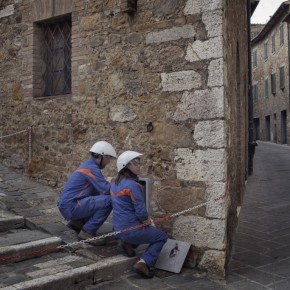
(281, 13)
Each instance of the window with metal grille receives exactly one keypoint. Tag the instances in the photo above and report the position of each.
(56, 57)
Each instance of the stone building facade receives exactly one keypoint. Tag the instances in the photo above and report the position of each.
(270, 80)
(165, 78)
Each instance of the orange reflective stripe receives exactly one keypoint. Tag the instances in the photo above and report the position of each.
(126, 192)
(87, 172)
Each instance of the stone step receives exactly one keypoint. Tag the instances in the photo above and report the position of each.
(10, 222)
(21, 244)
(28, 250)
(69, 272)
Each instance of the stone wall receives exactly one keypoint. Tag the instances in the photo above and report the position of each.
(178, 66)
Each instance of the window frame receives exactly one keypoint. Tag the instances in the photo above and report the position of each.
(255, 93)
(273, 37)
(255, 58)
(282, 77)
(266, 50)
(281, 29)
(266, 87)
(54, 54)
(273, 84)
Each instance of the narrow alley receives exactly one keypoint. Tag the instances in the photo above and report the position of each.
(262, 241)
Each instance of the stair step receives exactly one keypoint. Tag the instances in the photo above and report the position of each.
(54, 275)
(23, 251)
(11, 222)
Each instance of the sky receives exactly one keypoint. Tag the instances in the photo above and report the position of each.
(264, 10)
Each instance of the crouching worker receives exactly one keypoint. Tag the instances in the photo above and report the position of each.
(129, 210)
(85, 199)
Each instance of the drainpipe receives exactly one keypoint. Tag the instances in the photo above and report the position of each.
(251, 145)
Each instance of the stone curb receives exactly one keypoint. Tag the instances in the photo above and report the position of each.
(33, 249)
(104, 270)
(11, 222)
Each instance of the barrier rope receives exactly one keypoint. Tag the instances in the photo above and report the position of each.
(28, 132)
(16, 133)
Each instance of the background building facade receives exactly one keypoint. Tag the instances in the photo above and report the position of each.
(166, 78)
(270, 80)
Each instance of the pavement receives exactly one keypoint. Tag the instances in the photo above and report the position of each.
(38, 250)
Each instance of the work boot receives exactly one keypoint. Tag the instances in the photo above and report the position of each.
(142, 269)
(127, 249)
(75, 225)
(83, 235)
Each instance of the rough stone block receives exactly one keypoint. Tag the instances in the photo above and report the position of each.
(214, 262)
(216, 73)
(122, 113)
(216, 209)
(180, 81)
(7, 11)
(210, 134)
(200, 232)
(213, 21)
(199, 105)
(198, 6)
(200, 50)
(200, 165)
(174, 33)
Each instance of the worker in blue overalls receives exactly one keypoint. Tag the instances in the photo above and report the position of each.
(85, 199)
(129, 210)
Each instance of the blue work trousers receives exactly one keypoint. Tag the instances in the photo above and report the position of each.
(146, 235)
(94, 210)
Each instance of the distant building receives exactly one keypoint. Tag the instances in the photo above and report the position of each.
(256, 29)
(270, 79)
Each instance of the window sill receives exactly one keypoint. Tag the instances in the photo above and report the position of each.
(58, 97)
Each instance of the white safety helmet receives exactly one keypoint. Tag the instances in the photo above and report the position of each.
(103, 148)
(125, 158)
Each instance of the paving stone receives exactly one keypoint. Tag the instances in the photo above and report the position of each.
(283, 285)
(54, 228)
(20, 236)
(280, 253)
(31, 212)
(49, 271)
(261, 277)
(10, 279)
(280, 268)
(247, 285)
